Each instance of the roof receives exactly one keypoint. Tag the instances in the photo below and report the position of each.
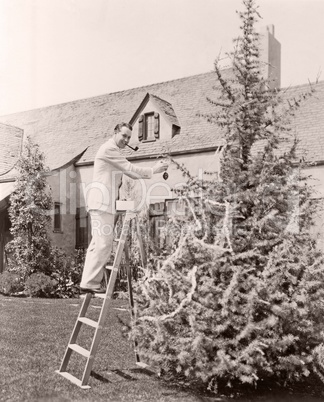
(167, 109)
(68, 129)
(65, 130)
(10, 140)
(308, 123)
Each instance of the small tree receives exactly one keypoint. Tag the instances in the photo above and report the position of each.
(29, 212)
(240, 296)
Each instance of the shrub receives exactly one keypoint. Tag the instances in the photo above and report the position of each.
(67, 272)
(10, 283)
(239, 299)
(212, 322)
(40, 285)
(29, 212)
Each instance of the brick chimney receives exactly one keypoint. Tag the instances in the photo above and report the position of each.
(270, 55)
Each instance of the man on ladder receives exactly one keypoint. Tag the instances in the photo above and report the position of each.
(109, 167)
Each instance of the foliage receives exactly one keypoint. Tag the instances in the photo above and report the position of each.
(66, 271)
(62, 282)
(43, 270)
(40, 285)
(29, 212)
(129, 191)
(133, 262)
(240, 295)
(10, 283)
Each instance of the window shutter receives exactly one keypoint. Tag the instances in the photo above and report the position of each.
(140, 127)
(156, 125)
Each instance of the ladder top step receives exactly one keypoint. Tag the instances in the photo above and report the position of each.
(79, 349)
(125, 205)
(73, 379)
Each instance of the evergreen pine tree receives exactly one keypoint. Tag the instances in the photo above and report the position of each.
(240, 295)
(29, 212)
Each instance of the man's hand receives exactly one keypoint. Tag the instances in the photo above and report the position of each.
(160, 166)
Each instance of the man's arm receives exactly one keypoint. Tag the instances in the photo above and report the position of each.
(120, 163)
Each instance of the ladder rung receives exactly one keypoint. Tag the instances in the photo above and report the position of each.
(117, 240)
(72, 379)
(79, 349)
(88, 321)
(99, 295)
(111, 268)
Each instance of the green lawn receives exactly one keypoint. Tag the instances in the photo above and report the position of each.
(33, 337)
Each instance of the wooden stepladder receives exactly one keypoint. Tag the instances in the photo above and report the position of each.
(106, 297)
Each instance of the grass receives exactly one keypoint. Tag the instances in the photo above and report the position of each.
(33, 337)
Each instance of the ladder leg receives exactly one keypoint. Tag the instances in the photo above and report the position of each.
(129, 278)
(140, 242)
(93, 351)
(118, 217)
(130, 294)
(106, 277)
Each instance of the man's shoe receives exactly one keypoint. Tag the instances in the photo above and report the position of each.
(88, 290)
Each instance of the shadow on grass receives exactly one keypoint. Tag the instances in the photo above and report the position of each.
(100, 378)
(124, 375)
(141, 370)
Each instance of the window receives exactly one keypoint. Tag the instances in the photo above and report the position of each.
(82, 228)
(156, 209)
(57, 217)
(157, 225)
(149, 126)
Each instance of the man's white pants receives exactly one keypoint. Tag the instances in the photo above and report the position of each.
(99, 250)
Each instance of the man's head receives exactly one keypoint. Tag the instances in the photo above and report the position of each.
(122, 134)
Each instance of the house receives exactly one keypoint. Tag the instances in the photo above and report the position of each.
(166, 118)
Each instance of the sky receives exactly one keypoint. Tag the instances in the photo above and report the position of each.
(56, 51)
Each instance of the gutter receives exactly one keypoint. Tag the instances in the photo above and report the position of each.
(151, 156)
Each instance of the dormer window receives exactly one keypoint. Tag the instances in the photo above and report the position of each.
(149, 127)
(154, 119)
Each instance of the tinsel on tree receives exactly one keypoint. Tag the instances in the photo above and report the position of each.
(240, 295)
(30, 215)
